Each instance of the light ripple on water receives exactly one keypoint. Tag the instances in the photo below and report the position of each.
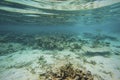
(58, 12)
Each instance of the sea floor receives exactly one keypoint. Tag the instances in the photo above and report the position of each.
(21, 60)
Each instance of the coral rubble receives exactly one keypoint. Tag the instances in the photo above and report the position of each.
(67, 72)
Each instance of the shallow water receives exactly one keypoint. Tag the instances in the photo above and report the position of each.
(39, 42)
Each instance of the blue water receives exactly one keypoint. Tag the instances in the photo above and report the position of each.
(90, 34)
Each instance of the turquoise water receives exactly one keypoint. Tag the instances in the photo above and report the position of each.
(55, 39)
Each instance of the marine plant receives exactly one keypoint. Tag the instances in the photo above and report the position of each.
(67, 72)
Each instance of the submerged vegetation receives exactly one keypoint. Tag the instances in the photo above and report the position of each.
(55, 41)
(67, 72)
(59, 40)
(53, 48)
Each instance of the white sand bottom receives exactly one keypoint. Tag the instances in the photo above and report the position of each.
(29, 64)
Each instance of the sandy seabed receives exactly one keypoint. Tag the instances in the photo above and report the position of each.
(29, 64)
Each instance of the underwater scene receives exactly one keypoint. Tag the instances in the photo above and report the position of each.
(59, 39)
